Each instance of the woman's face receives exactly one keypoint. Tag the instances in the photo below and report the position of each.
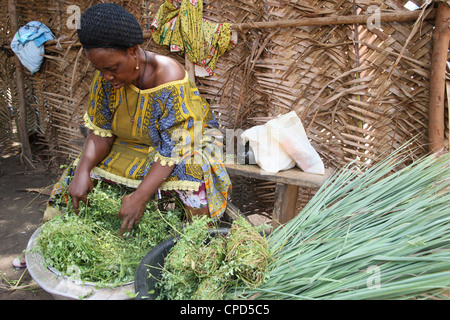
(117, 66)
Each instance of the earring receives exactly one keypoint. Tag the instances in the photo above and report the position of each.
(136, 68)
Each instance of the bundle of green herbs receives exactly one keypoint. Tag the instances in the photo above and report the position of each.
(202, 267)
(88, 246)
(380, 232)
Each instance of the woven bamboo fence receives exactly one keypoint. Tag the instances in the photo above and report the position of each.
(357, 73)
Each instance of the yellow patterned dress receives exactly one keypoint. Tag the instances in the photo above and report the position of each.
(179, 24)
(172, 123)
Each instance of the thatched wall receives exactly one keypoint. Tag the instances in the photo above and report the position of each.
(360, 89)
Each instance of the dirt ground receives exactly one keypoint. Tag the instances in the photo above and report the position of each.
(21, 210)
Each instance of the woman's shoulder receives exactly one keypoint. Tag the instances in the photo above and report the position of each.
(167, 70)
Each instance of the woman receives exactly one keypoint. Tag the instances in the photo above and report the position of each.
(150, 129)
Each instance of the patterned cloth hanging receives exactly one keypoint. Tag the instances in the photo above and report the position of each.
(179, 24)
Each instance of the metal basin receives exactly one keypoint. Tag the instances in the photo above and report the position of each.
(64, 288)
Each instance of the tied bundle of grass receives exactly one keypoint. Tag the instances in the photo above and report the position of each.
(248, 256)
(212, 255)
(192, 258)
(201, 267)
(369, 233)
(88, 247)
(211, 287)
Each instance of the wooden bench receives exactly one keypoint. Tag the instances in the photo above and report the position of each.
(286, 190)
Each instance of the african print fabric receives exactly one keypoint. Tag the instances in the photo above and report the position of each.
(173, 124)
(179, 24)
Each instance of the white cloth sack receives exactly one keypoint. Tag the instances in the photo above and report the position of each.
(289, 132)
(269, 155)
(30, 55)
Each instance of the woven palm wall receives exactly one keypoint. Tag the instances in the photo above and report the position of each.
(360, 89)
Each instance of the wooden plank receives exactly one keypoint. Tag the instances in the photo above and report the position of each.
(20, 85)
(294, 176)
(285, 204)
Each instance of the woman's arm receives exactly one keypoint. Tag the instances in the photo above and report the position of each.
(133, 205)
(95, 149)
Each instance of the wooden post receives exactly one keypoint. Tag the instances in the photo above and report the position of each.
(20, 83)
(284, 205)
(441, 37)
(331, 20)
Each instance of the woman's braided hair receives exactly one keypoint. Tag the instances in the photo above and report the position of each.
(108, 25)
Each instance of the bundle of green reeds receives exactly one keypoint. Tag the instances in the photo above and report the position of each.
(369, 233)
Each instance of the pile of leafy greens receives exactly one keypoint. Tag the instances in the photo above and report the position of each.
(88, 246)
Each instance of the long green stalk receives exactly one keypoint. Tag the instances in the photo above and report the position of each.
(382, 224)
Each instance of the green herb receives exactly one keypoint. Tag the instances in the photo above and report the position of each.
(248, 255)
(202, 267)
(88, 247)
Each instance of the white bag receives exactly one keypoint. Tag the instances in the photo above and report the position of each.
(268, 153)
(289, 132)
(28, 44)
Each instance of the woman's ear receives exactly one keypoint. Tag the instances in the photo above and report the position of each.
(133, 55)
(133, 51)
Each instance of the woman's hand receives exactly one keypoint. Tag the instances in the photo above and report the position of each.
(133, 205)
(79, 188)
(95, 149)
(130, 212)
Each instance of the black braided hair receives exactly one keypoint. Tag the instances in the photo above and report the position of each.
(108, 25)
